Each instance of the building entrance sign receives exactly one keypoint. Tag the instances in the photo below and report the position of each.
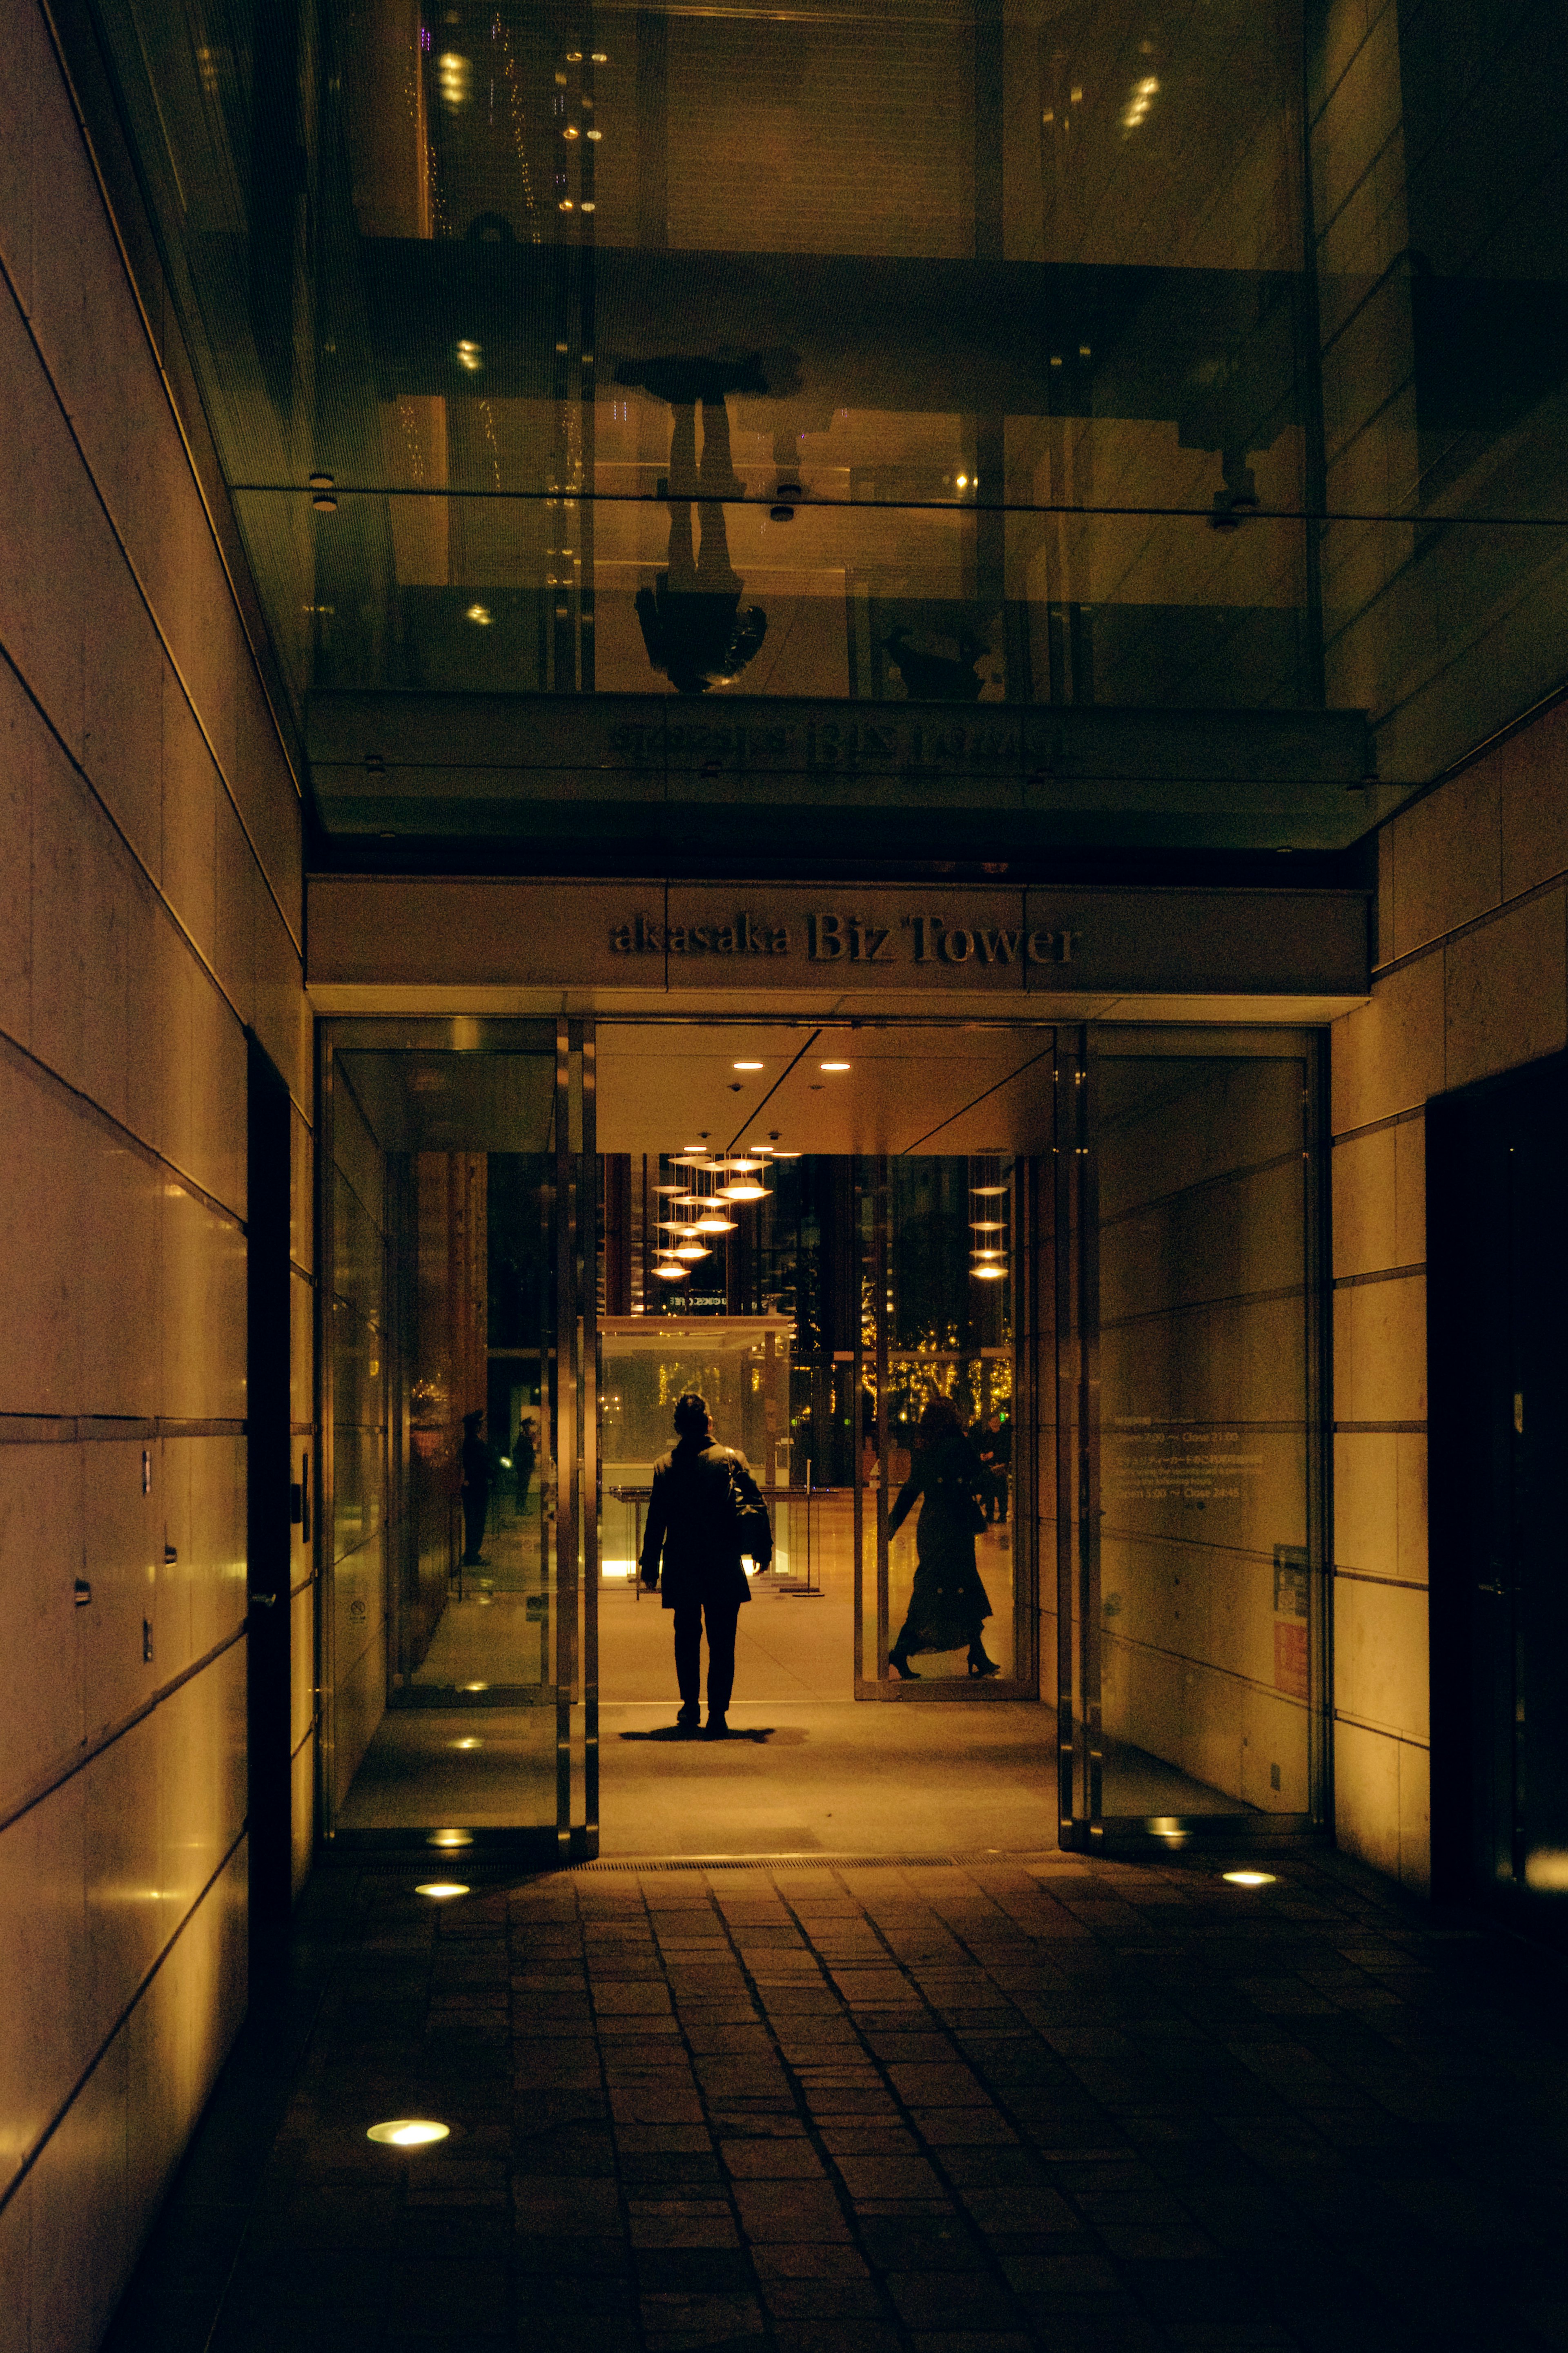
(989, 939)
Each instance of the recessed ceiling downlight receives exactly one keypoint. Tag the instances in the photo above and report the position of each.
(408, 2132)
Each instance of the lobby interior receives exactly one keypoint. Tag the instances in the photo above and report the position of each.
(954, 618)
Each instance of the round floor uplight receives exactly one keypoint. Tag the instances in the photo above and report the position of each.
(408, 2132)
(1248, 1878)
(441, 1891)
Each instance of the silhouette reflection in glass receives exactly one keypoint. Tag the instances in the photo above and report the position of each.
(937, 678)
(692, 625)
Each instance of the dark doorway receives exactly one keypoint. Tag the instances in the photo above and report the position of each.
(1497, 1269)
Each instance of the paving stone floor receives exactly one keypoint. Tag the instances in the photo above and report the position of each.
(968, 2109)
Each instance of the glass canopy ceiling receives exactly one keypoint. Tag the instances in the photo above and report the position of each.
(632, 412)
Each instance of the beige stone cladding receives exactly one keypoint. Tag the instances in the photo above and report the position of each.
(1472, 926)
(151, 879)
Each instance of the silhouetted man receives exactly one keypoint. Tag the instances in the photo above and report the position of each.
(701, 1492)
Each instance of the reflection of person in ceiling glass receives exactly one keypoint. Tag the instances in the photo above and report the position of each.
(691, 619)
(948, 1603)
(937, 678)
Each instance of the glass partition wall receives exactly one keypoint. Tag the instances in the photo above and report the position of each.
(1190, 1456)
(458, 1362)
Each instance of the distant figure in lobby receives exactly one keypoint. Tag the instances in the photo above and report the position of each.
(476, 1489)
(704, 1512)
(692, 624)
(948, 1603)
(524, 1455)
(992, 1440)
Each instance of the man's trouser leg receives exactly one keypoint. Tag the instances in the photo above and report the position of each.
(476, 1501)
(720, 1617)
(689, 1653)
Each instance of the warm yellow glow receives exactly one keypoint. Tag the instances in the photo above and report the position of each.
(963, 485)
(746, 1191)
(451, 1838)
(985, 1226)
(481, 614)
(475, 1686)
(467, 1744)
(691, 1251)
(408, 2132)
(671, 1273)
(595, 134)
(1248, 1878)
(441, 1891)
(989, 1192)
(833, 1066)
(713, 1224)
(747, 1066)
(989, 1274)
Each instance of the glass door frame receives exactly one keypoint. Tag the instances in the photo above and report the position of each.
(568, 1408)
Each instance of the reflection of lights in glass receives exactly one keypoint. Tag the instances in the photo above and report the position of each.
(467, 1744)
(988, 1192)
(569, 131)
(963, 481)
(469, 355)
(451, 1838)
(671, 1273)
(1137, 104)
(595, 134)
(989, 1274)
(588, 208)
(480, 616)
(408, 2132)
(475, 1686)
(1248, 1878)
(985, 1226)
(452, 72)
(691, 1251)
(746, 1191)
(441, 1891)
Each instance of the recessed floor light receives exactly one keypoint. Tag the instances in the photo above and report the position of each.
(746, 1066)
(408, 2132)
(441, 1891)
(833, 1066)
(1249, 1878)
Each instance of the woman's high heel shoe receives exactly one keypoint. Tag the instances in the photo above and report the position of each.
(901, 1668)
(979, 1664)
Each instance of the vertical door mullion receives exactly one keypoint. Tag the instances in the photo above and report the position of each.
(857, 1375)
(879, 1276)
(588, 1231)
(563, 1606)
(1064, 1166)
(1088, 1435)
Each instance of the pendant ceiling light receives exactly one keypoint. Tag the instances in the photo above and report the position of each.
(691, 1251)
(745, 1188)
(668, 1271)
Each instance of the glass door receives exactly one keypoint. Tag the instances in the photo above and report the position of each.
(940, 1398)
(458, 1360)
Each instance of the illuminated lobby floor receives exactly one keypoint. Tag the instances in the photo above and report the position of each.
(1090, 2108)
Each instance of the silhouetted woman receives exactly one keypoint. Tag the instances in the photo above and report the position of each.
(948, 1603)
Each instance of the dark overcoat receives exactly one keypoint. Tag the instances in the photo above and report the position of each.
(691, 1545)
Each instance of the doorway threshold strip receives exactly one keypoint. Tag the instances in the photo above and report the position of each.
(767, 1863)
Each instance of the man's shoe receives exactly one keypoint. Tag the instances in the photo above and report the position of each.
(717, 1727)
(690, 1718)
